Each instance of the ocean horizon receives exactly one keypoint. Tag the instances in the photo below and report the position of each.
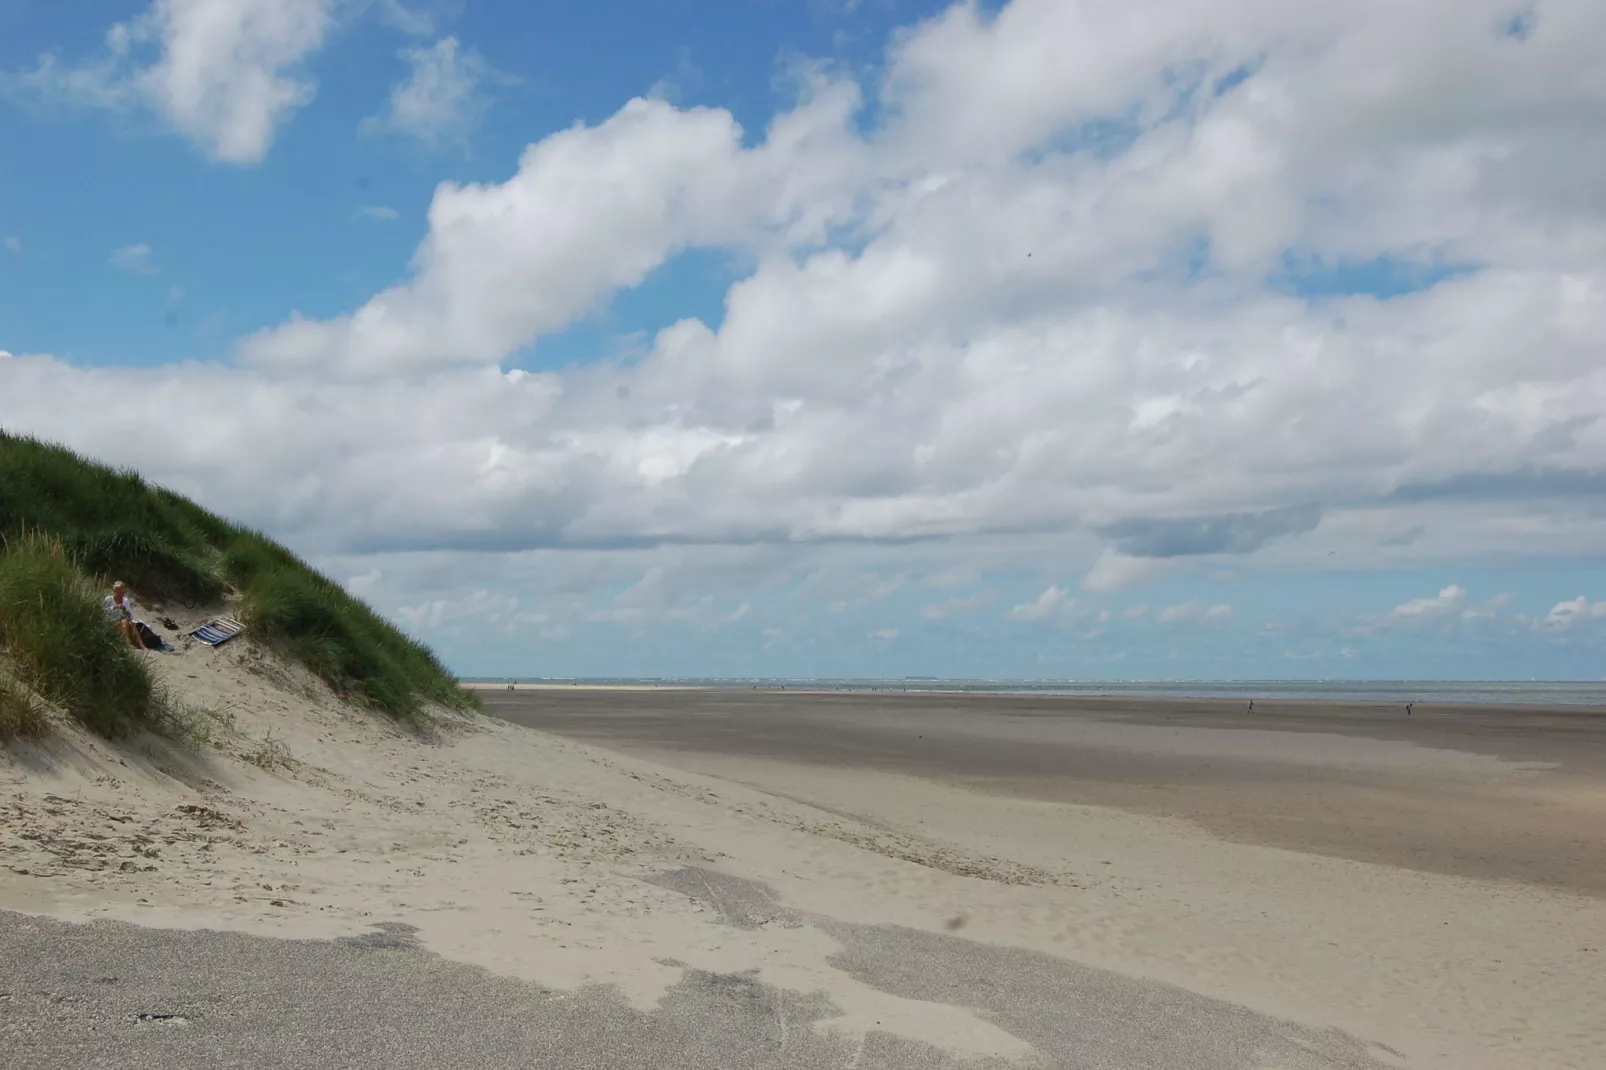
(1486, 692)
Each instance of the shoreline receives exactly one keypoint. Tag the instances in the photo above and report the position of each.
(1204, 702)
(1287, 710)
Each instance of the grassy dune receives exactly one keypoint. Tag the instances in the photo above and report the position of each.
(68, 526)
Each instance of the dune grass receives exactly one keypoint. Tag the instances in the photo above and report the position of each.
(338, 637)
(20, 715)
(112, 522)
(59, 646)
(68, 526)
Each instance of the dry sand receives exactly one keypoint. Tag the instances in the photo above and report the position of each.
(558, 861)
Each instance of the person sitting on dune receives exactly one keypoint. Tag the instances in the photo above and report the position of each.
(119, 607)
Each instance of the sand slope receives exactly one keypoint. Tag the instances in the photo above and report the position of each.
(554, 861)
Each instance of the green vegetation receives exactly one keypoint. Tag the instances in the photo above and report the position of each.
(58, 645)
(20, 715)
(69, 526)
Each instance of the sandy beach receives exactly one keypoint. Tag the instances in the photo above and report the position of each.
(1488, 792)
(684, 878)
(1398, 872)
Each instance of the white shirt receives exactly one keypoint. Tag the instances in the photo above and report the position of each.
(118, 612)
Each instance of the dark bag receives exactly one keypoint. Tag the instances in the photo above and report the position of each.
(151, 640)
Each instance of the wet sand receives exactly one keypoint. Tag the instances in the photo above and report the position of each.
(1484, 792)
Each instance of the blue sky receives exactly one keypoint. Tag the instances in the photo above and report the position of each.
(291, 229)
(848, 337)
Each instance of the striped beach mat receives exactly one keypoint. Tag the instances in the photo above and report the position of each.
(218, 631)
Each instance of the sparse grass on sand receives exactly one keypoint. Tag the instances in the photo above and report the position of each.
(269, 754)
(20, 715)
(68, 526)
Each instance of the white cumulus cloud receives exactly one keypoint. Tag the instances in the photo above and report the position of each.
(134, 258)
(1055, 603)
(442, 98)
(1451, 603)
(1194, 610)
(224, 73)
(1449, 600)
(1576, 611)
(1113, 571)
(590, 211)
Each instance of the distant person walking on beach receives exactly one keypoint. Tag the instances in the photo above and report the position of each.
(1408, 706)
(1251, 706)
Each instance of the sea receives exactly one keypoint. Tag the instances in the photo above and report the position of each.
(1493, 692)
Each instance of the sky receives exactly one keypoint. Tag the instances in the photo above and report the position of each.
(1043, 339)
